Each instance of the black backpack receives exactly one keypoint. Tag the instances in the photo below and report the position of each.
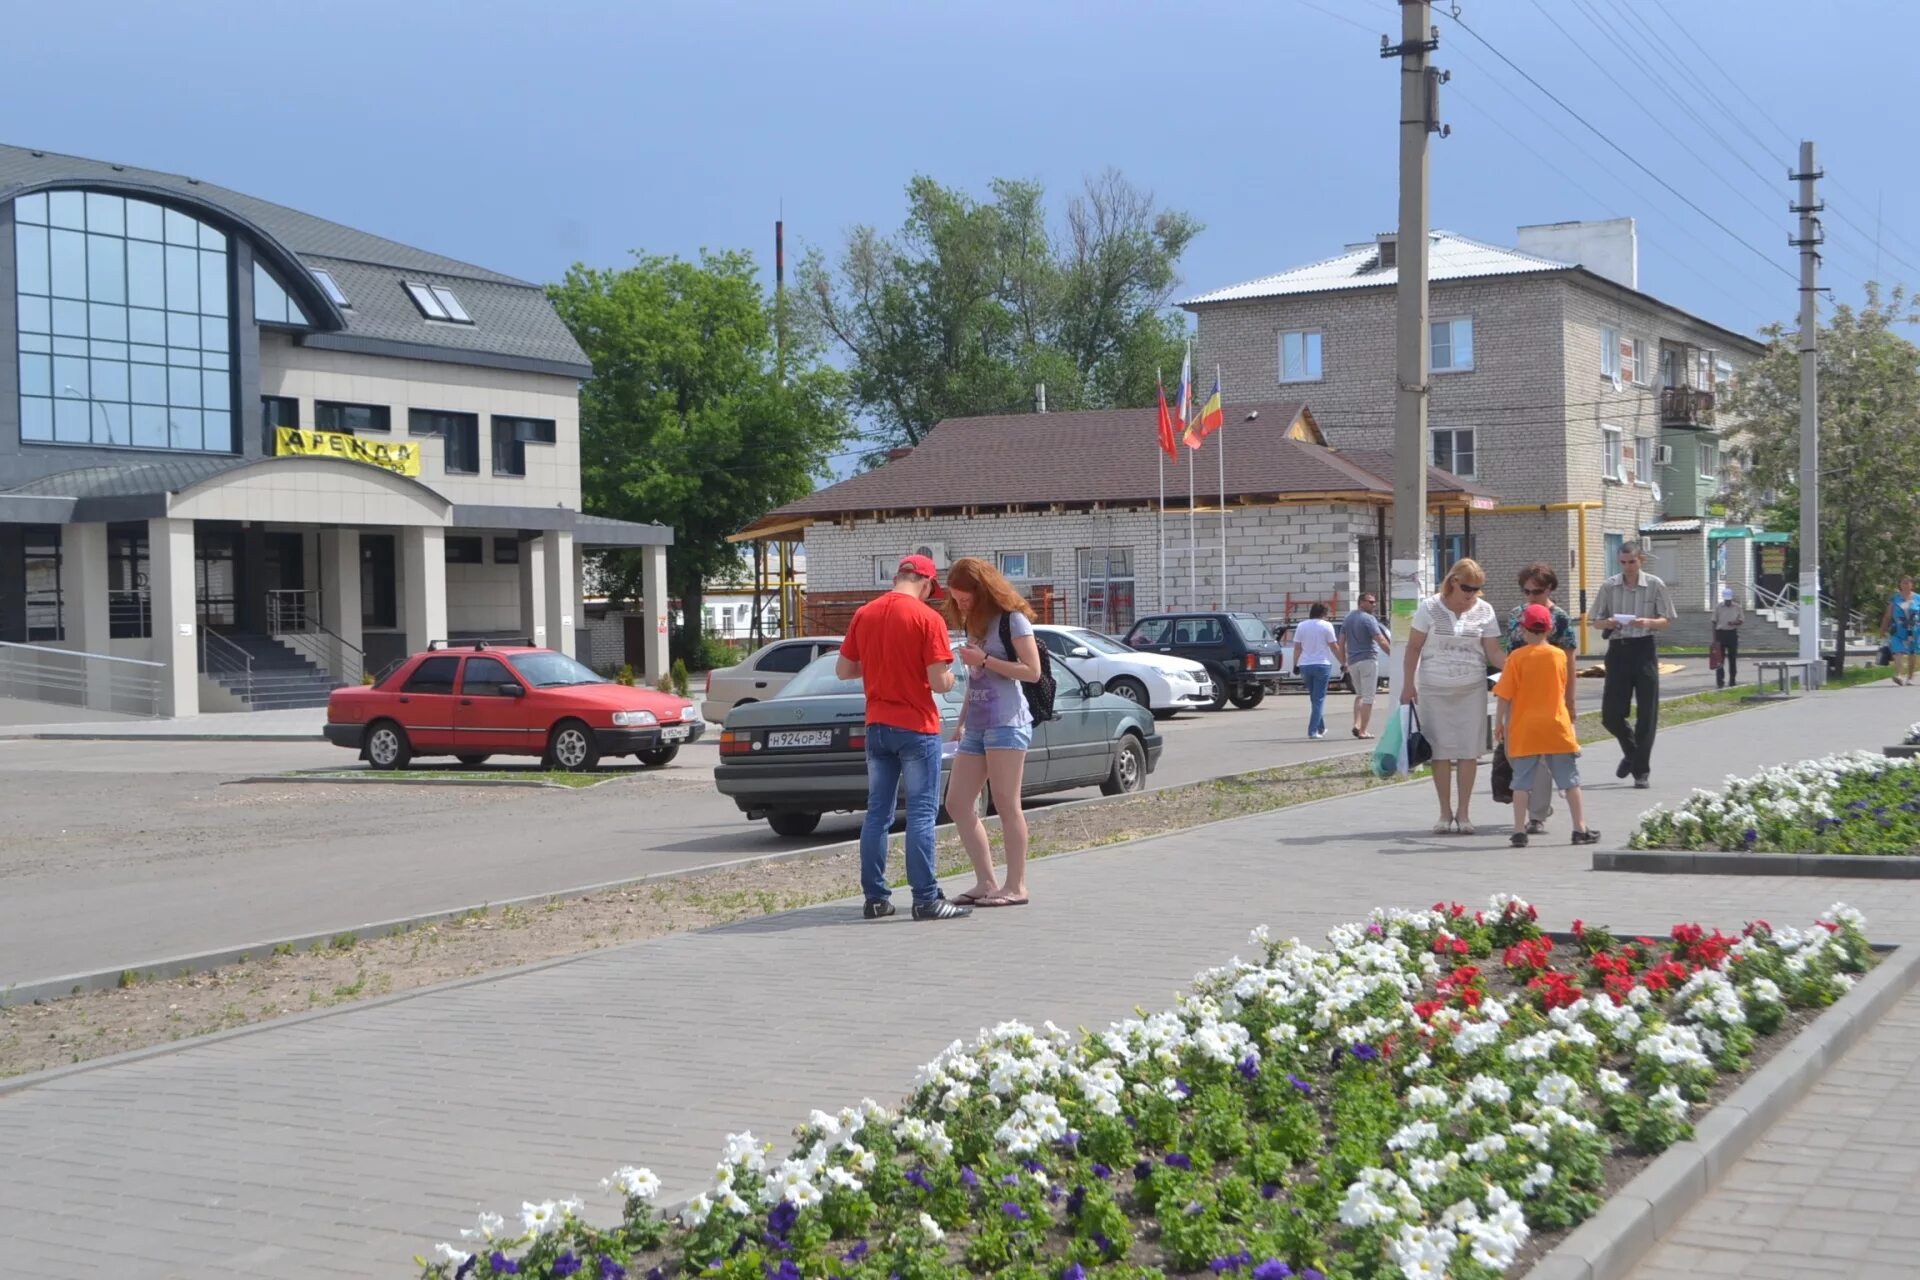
(1039, 692)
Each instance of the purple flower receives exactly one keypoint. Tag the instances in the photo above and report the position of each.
(1375, 929)
(1143, 1170)
(856, 1253)
(1249, 1068)
(968, 1178)
(1365, 1052)
(1103, 1244)
(1311, 1274)
(1074, 1271)
(466, 1268)
(658, 1273)
(1178, 1160)
(1053, 1194)
(1184, 1089)
(919, 1179)
(1274, 1269)
(1269, 1190)
(787, 1270)
(611, 1270)
(1305, 1088)
(1014, 1211)
(1077, 1201)
(1010, 1180)
(566, 1264)
(1750, 835)
(1032, 1166)
(784, 1215)
(1101, 1171)
(502, 1265)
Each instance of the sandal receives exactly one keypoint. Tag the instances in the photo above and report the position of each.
(970, 899)
(1000, 900)
(1462, 826)
(1444, 827)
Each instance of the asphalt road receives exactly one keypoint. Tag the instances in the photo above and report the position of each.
(120, 855)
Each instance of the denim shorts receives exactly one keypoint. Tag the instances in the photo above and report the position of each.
(977, 742)
(1563, 766)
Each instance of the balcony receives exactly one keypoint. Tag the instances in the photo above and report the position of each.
(1685, 407)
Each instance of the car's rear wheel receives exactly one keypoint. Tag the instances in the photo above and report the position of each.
(387, 746)
(1219, 692)
(793, 824)
(664, 755)
(1129, 772)
(1130, 689)
(473, 760)
(1248, 699)
(572, 748)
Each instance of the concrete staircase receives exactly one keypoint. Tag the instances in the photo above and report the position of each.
(281, 679)
(1783, 632)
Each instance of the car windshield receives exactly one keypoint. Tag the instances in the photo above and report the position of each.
(818, 679)
(549, 670)
(1097, 642)
(1251, 629)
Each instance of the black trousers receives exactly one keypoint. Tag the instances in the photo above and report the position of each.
(1633, 680)
(1729, 642)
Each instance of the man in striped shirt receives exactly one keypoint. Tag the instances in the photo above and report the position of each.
(1632, 606)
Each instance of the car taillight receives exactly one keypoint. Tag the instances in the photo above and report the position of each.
(707, 688)
(735, 742)
(1252, 662)
(857, 740)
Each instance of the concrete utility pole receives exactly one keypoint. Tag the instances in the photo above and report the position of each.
(1419, 101)
(1808, 243)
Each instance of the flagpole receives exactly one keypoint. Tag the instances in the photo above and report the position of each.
(1222, 451)
(1160, 522)
(1193, 544)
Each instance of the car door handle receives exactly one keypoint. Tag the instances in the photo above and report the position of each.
(466, 702)
(404, 698)
(759, 684)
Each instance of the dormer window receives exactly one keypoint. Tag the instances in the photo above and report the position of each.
(328, 286)
(436, 302)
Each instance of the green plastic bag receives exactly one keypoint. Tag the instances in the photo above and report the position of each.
(1390, 750)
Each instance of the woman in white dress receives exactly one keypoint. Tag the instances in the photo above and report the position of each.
(1455, 638)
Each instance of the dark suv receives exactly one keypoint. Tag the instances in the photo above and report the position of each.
(1237, 650)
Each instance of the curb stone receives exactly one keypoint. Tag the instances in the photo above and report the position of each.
(451, 780)
(1610, 1244)
(1847, 866)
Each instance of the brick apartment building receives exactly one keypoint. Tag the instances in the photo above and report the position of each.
(1555, 380)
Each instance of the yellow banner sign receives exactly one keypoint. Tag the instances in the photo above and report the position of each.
(399, 456)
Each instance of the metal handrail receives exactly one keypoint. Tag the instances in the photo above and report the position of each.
(291, 618)
(221, 654)
(44, 674)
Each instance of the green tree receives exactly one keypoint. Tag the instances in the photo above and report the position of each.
(687, 419)
(1869, 446)
(973, 303)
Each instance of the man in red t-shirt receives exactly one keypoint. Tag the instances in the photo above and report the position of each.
(898, 648)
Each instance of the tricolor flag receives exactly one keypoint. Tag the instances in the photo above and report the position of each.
(1212, 416)
(1166, 425)
(1185, 401)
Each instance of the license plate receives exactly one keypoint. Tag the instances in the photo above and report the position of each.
(799, 738)
(1266, 659)
(674, 733)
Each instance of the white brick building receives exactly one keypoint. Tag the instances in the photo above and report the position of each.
(1067, 505)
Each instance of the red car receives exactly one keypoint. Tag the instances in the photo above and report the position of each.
(475, 701)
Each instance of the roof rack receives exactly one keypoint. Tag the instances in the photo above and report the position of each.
(455, 644)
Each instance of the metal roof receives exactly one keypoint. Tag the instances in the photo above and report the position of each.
(1451, 257)
(514, 324)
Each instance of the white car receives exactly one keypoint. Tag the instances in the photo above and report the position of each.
(763, 673)
(1159, 682)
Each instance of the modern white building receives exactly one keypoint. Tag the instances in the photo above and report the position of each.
(268, 453)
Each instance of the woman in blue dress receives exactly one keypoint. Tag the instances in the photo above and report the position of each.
(1902, 629)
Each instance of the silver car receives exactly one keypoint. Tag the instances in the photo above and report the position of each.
(803, 753)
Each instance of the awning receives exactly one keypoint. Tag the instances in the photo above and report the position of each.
(1730, 531)
(1764, 537)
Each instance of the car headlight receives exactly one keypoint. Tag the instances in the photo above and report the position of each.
(628, 719)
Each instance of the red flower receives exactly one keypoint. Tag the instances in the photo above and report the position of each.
(1579, 928)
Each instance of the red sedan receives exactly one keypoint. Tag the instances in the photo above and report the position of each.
(472, 702)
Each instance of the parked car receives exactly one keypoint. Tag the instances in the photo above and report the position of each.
(475, 701)
(761, 674)
(1160, 683)
(803, 754)
(1241, 656)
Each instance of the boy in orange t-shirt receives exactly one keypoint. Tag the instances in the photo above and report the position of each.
(1535, 726)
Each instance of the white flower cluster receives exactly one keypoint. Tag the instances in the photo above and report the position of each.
(1802, 792)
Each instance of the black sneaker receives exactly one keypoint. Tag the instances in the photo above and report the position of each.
(879, 909)
(1589, 836)
(1625, 768)
(1518, 839)
(940, 909)
(1641, 781)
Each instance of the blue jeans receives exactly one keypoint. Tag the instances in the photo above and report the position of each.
(1317, 677)
(894, 753)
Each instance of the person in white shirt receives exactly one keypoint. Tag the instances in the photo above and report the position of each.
(1316, 648)
(1727, 617)
(1455, 638)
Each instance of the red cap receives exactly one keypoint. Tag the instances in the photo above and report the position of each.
(924, 566)
(1536, 617)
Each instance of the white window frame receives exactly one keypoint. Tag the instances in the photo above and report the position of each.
(1643, 449)
(1453, 344)
(1312, 344)
(1613, 454)
(1641, 374)
(1453, 435)
(1709, 461)
(1610, 354)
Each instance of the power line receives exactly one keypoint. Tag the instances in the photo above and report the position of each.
(1338, 17)
(1686, 76)
(1674, 18)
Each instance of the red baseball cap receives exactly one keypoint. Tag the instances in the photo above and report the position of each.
(924, 566)
(1536, 617)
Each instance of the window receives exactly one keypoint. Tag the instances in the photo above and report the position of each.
(129, 609)
(506, 551)
(331, 415)
(40, 555)
(1026, 566)
(1106, 587)
(788, 658)
(1614, 542)
(465, 550)
(124, 332)
(1451, 344)
(1300, 356)
(1633, 358)
(436, 302)
(511, 436)
(276, 412)
(1709, 462)
(1199, 631)
(327, 286)
(1151, 632)
(483, 677)
(433, 675)
(1643, 460)
(1447, 552)
(1613, 464)
(1610, 354)
(272, 304)
(461, 431)
(1453, 451)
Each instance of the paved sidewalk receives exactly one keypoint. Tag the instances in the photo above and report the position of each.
(24, 720)
(343, 1144)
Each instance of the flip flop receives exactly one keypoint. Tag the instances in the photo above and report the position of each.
(1000, 900)
(967, 900)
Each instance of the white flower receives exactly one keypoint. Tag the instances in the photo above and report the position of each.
(1426, 1095)
(697, 1210)
(1485, 1088)
(1611, 1082)
(637, 1184)
(490, 1225)
(1668, 1099)
(447, 1253)
(932, 1228)
(1417, 1134)
(1538, 1180)
(1556, 1089)
(538, 1219)
(731, 1203)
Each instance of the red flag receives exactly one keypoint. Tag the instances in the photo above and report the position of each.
(1166, 427)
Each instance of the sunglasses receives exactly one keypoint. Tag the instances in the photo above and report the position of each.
(1538, 591)
(1470, 588)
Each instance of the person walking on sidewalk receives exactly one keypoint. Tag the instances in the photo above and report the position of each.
(1728, 617)
(1365, 641)
(1455, 638)
(996, 727)
(1633, 606)
(1901, 626)
(897, 648)
(1536, 726)
(1538, 582)
(1316, 647)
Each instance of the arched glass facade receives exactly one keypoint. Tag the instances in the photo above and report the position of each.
(125, 324)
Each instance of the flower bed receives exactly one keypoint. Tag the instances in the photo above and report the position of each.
(1854, 804)
(1424, 1097)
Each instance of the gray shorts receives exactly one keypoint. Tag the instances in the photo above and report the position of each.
(1564, 766)
(1365, 675)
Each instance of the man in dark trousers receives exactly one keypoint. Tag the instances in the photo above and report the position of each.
(1632, 606)
(897, 648)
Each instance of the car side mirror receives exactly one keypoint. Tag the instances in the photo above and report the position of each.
(1095, 688)
(513, 691)
(1080, 651)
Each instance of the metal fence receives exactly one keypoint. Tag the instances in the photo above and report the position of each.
(90, 681)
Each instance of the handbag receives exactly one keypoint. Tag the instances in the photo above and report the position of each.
(1419, 750)
(1502, 775)
(1886, 655)
(1715, 656)
(1390, 751)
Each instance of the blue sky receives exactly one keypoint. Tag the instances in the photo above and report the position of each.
(528, 136)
